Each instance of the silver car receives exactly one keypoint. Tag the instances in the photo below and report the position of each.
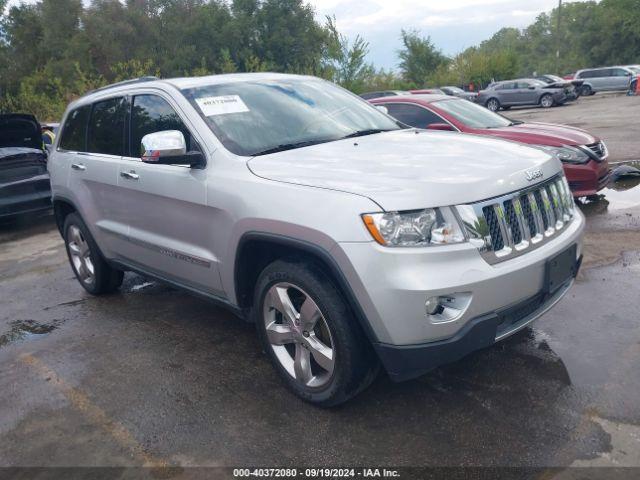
(605, 79)
(350, 240)
(526, 91)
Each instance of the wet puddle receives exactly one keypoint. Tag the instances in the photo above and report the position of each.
(620, 195)
(21, 330)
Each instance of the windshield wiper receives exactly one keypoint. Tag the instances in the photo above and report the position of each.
(288, 146)
(362, 133)
(515, 122)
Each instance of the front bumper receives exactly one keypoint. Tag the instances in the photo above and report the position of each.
(407, 362)
(588, 179)
(392, 286)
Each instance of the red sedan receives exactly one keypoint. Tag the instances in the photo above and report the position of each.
(584, 156)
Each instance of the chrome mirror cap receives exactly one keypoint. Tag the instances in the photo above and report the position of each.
(168, 143)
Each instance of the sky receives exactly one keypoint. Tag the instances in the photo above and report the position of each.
(452, 24)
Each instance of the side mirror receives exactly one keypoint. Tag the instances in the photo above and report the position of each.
(169, 148)
(441, 126)
(532, 87)
(383, 109)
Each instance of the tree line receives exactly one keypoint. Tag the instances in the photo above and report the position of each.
(52, 51)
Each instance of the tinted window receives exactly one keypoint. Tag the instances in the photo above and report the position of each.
(74, 132)
(524, 85)
(151, 114)
(506, 86)
(619, 72)
(413, 115)
(106, 127)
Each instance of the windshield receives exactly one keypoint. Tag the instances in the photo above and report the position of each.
(453, 89)
(634, 69)
(259, 117)
(471, 114)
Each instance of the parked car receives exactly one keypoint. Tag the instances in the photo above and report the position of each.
(24, 181)
(605, 79)
(348, 239)
(584, 156)
(520, 92)
(571, 87)
(460, 93)
(382, 93)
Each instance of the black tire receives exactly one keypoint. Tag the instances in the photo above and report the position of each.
(506, 108)
(355, 363)
(585, 90)
(493, 104)
(547, 101)
(105, 279)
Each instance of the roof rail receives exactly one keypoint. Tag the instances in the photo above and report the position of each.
(149, 78)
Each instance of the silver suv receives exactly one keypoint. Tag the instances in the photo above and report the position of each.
(605, 79)
(350, 240)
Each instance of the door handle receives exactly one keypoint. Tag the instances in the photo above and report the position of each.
(132, 175)
(78, 166)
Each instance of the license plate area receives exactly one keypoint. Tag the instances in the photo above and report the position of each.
(560, 269)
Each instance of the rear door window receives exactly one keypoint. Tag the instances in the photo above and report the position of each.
(74, 132)
(151, 114)
(106, 127)
(413, 115)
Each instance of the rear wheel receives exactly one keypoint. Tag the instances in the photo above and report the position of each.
(547, 101)
(310, 335)
(90, 268)
(493, 104)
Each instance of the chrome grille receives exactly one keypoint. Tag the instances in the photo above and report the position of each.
(598, 149)
(511, 225)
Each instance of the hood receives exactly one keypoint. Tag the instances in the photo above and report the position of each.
(544, 134)
(20, 130)
(410, 169)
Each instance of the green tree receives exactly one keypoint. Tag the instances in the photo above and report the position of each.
(419, 58)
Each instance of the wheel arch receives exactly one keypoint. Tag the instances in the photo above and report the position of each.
(62, 207)
(256, 250)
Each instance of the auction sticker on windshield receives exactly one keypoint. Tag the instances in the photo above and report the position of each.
(222, 105)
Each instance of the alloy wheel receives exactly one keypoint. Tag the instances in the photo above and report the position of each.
(80, 255)
(299, 335)
(493, 105)
(547, 101)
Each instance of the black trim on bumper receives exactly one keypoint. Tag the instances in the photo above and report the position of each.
(404, 362)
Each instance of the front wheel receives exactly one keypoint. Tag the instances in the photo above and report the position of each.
(585, 91)
(310, 335)
(493, 104)
(547, 101)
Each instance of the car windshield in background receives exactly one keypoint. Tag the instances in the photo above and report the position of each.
(555, 78)
(256, 118)
(453, 89)
(472, 115)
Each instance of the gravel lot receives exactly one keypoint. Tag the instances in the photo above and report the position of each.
(153, 376)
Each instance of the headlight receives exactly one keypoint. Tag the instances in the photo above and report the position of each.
(567, 154)
(415, 228)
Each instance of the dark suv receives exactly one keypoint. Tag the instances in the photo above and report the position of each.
(24, 181)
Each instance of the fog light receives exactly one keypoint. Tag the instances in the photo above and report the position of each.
(447, 308)
(432, 305)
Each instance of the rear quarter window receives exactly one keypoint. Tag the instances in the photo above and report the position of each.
(74, 132)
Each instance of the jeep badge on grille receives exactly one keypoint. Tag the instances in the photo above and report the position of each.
(533, 174)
